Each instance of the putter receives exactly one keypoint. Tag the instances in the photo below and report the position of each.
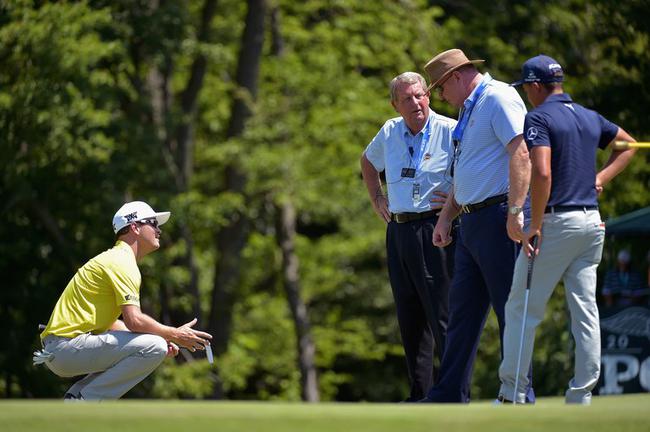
(208, 352)
(529, 277)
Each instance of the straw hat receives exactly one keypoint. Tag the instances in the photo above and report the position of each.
(442, 65)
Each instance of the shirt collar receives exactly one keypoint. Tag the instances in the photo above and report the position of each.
(470, 99)
(407, 132)
(562, 97)
(121, 244)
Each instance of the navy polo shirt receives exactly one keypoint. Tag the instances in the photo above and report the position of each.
(573, 133)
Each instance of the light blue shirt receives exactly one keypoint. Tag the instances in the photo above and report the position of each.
(482, 161)
(389, 151)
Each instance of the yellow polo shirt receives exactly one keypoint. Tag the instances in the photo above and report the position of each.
(91, 301)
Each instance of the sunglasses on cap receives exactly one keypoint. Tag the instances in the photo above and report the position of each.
(152, 222)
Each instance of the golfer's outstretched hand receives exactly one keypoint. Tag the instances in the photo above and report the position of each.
(189, 338)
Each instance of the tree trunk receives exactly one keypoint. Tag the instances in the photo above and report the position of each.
(232, 238)
(8, 392)
(189, 97)
(286, 232)
(158, 88)
(179, 144)
(286, 228)
(65, 248)
(248, 67)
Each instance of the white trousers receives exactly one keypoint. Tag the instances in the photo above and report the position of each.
(113, 362)
(571, 249)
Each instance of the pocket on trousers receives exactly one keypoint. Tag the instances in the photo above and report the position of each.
(78, 342)
(107, 341)
(90, 341)
(599, 230)
(597, 241)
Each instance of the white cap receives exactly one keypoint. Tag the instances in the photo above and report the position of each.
(136, 211)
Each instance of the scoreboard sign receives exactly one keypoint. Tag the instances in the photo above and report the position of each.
(625, 345)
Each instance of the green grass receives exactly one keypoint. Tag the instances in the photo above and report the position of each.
(612, 413)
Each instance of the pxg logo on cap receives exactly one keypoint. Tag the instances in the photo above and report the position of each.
(541, 69)
(136, 211)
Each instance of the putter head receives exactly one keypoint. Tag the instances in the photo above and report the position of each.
(208, 352)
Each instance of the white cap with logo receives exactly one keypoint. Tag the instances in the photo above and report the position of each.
(135, 211)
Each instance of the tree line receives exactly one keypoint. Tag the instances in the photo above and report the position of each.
(246, 119)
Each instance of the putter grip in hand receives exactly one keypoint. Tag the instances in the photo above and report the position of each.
(531, 261)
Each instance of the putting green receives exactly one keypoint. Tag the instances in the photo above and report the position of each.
(612, 413)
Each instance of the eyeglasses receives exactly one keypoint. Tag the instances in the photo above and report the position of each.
(152, 222)
(439, 87)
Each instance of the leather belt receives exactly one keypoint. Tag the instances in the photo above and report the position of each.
(569, 208)
(410, 217)
(496, 199)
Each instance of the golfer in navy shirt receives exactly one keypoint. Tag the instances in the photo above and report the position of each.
(562, 138)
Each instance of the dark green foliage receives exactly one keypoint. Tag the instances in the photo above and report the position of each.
(81, 131)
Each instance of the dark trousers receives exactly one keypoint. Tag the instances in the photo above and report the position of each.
(420, 277)
(485, 260)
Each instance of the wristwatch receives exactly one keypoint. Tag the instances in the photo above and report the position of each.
(514, 210)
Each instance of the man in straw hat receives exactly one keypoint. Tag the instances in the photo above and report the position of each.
(84, 336)
(563, 138)
(414, 150)
(490, 182)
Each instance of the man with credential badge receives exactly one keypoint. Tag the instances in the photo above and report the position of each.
(414, 150)
(490, 182)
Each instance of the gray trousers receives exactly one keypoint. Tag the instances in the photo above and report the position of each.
(571, 248)
(113, 362)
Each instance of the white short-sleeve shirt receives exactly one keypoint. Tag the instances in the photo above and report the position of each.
(389, 151)
(481, 167)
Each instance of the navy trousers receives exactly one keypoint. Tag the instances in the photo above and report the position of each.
(420, 277)
(485, 260)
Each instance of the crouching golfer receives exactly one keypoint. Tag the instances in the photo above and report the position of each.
(84, 336)
(562, 138)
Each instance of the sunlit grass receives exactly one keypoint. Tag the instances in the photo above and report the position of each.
(613, 413)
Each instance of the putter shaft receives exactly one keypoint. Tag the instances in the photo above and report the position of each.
(529, 278)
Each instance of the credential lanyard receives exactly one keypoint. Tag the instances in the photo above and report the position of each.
(423, 143)
(459, 130)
